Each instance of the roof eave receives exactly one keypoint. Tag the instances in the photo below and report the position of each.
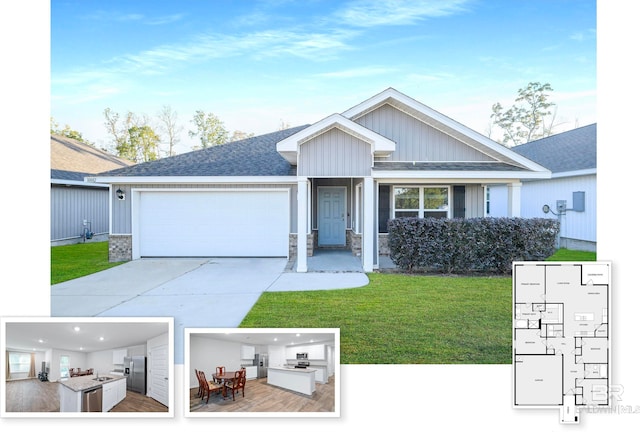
(191, 179)
(446, 174)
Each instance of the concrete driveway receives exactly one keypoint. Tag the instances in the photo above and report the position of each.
(196, 292)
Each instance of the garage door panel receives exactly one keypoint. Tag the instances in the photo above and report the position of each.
(214, 223)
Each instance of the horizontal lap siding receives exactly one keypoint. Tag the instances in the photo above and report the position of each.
(122, 209)
(335, 154)
(416, 141)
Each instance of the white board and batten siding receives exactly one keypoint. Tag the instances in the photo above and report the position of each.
(415, 140)
(335, 153)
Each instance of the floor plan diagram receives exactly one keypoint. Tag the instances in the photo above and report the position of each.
(561, 336)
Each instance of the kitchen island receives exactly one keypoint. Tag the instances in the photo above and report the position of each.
(104, 392)
(301, 380)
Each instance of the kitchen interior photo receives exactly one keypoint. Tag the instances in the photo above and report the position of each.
(87, 365)
(281, 371)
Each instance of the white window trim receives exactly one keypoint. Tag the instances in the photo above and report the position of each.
(421, 210)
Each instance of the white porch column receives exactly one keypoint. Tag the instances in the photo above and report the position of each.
(513, 199)
(302, 226)
(368, 229)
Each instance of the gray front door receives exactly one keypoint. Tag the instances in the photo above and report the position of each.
(332, 223)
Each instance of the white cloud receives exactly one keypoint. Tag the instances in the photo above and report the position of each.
(371, 13)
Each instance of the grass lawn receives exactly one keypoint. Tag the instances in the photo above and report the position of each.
(403, 319)
(73, 261)
(572, 255)
(407, 319)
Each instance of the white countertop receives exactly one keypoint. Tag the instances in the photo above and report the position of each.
(292, 369)
(86, 382)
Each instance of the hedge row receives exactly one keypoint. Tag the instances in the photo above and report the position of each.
(461, 245)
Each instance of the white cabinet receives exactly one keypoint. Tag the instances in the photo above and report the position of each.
(248, 352)
(252, 372)
(290, 353)
(109, 395)
(118, 356)
(121, 390)
(113, 393)
(316, 352)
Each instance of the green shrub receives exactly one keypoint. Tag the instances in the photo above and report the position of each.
(460, 245)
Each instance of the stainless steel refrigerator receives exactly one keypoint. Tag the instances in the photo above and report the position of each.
(135, 369)
(262, 361)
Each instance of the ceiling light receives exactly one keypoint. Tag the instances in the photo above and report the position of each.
(101, 338)
(81, 348)
(275, 339)
(297, 334)
(40, 340)
(76, 328)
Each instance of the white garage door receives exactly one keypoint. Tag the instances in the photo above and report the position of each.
(214, 223)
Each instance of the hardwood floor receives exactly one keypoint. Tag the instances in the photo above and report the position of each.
(263, 397)
(33, 395)
(135, 402)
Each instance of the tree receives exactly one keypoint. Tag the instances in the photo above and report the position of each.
(210, 130)
(239, 135)
(68, 132)
(168, 123)
(145, 143)
(134, 139)
(529, 119)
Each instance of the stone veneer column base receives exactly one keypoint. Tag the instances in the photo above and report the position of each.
(120, 248)
(293, 244)
(355, 243)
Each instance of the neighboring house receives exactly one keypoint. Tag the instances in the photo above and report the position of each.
(571, 158)
(76, 204)
(333, 184)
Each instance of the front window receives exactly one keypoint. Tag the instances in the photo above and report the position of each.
(421, 201)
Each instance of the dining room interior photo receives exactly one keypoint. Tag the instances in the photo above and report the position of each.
(71, 367)
(249, 372)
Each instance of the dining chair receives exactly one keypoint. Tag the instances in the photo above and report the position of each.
(199, 383)
(209, 386)
(219, 371)
(237, 383)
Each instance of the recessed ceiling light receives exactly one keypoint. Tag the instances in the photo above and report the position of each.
(76, 328)
(298, 334)
(40, 340)
(81, 348)
(101, 338)
(275, 339)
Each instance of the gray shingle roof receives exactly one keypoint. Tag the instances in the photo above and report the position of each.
(256, 156)
(69, 155)
(567, 151)
(68, 175)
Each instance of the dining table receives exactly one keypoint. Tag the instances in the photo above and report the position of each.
(223, 378)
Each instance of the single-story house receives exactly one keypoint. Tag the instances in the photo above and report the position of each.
(78, 207)
(570, 193)
(332, 184)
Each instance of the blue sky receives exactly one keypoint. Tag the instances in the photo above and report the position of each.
(256, 64)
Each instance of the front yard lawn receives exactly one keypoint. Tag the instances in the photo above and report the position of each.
(407, 319)
(403, 319)
(76, 260)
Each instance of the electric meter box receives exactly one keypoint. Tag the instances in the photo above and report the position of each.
(578, 201)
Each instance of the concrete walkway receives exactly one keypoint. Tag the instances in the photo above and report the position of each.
(196, 292)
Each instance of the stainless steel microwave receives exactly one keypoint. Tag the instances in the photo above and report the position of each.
(302, 356)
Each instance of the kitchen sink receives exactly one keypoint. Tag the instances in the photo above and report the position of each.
(103, 379)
